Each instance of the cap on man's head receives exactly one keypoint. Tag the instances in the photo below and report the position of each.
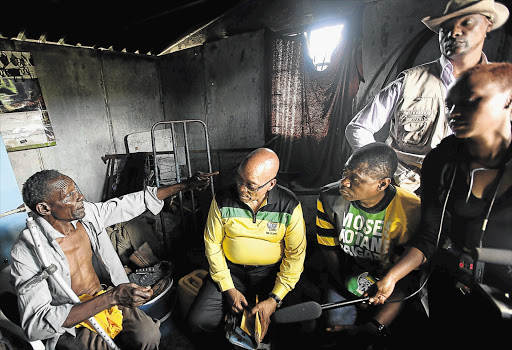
(496, 11)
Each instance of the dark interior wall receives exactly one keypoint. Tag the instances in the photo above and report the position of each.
(220, 83)
(234, 71)
(94, 99)
(389, 26)
(183, 84)
(132, 94)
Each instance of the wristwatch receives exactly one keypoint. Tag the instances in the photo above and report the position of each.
(276, 298)
(381, 329)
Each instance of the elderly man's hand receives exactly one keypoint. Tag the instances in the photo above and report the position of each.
(131, 295)
(265, 309)
(235, 300)
(200, 180)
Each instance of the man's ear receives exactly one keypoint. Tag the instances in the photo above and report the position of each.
(383, 184)
(509, 102)
(272, 183)
(43, 208)
(490, 24)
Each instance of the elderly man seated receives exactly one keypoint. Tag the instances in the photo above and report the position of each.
(72, 236)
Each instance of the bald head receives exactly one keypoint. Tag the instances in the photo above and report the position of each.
(262, 163)
(256, 176)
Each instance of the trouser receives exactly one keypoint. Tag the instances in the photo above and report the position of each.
(208, 310)
(345, 315)
(139, 332)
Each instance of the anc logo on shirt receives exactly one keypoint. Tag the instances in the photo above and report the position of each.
(361, 234)
(272, 227)
(358, 285)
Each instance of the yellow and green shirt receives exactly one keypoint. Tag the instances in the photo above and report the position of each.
(275, 233)
(369, 235)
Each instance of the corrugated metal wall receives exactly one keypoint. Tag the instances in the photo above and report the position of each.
(96, 98)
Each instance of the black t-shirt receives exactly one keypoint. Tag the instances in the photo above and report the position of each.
(466, 225)
(463, 220)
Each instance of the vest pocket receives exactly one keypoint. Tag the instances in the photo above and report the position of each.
(414, 128)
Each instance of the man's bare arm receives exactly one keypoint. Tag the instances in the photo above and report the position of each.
(126, 295)
(197, 181)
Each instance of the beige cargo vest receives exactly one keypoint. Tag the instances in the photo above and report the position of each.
(419, 122)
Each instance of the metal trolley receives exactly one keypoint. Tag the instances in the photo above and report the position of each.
(183, 166)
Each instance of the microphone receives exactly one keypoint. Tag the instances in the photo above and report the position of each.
(297, 313)
(308, 311)
(493, 255)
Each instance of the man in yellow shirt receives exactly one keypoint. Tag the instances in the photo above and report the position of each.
(255, 243)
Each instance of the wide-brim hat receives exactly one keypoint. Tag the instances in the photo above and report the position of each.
(496, 11)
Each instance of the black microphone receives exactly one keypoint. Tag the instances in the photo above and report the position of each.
(493, 255)
(297, 313)
(308, 311)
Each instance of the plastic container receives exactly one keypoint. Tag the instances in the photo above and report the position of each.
(188, 287)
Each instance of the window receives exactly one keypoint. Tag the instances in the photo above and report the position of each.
(321, 44)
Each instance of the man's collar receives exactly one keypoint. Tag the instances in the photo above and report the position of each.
(484, 60)
(445, 62)
(49, 231)
(389, 194)
(272, 195)
(447, 76)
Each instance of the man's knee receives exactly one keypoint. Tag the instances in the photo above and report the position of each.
(146, 335)
(206, 312)
(198, 323)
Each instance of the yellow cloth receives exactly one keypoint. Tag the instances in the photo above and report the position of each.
(111, 320)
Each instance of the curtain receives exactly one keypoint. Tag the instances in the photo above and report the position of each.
(309, 109)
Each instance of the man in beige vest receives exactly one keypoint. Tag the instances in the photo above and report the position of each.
(414, 102)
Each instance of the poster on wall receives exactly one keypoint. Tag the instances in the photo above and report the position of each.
(24, 119)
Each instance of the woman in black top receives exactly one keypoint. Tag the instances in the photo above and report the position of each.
(466, 203)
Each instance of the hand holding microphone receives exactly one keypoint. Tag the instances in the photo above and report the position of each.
(379, 292)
